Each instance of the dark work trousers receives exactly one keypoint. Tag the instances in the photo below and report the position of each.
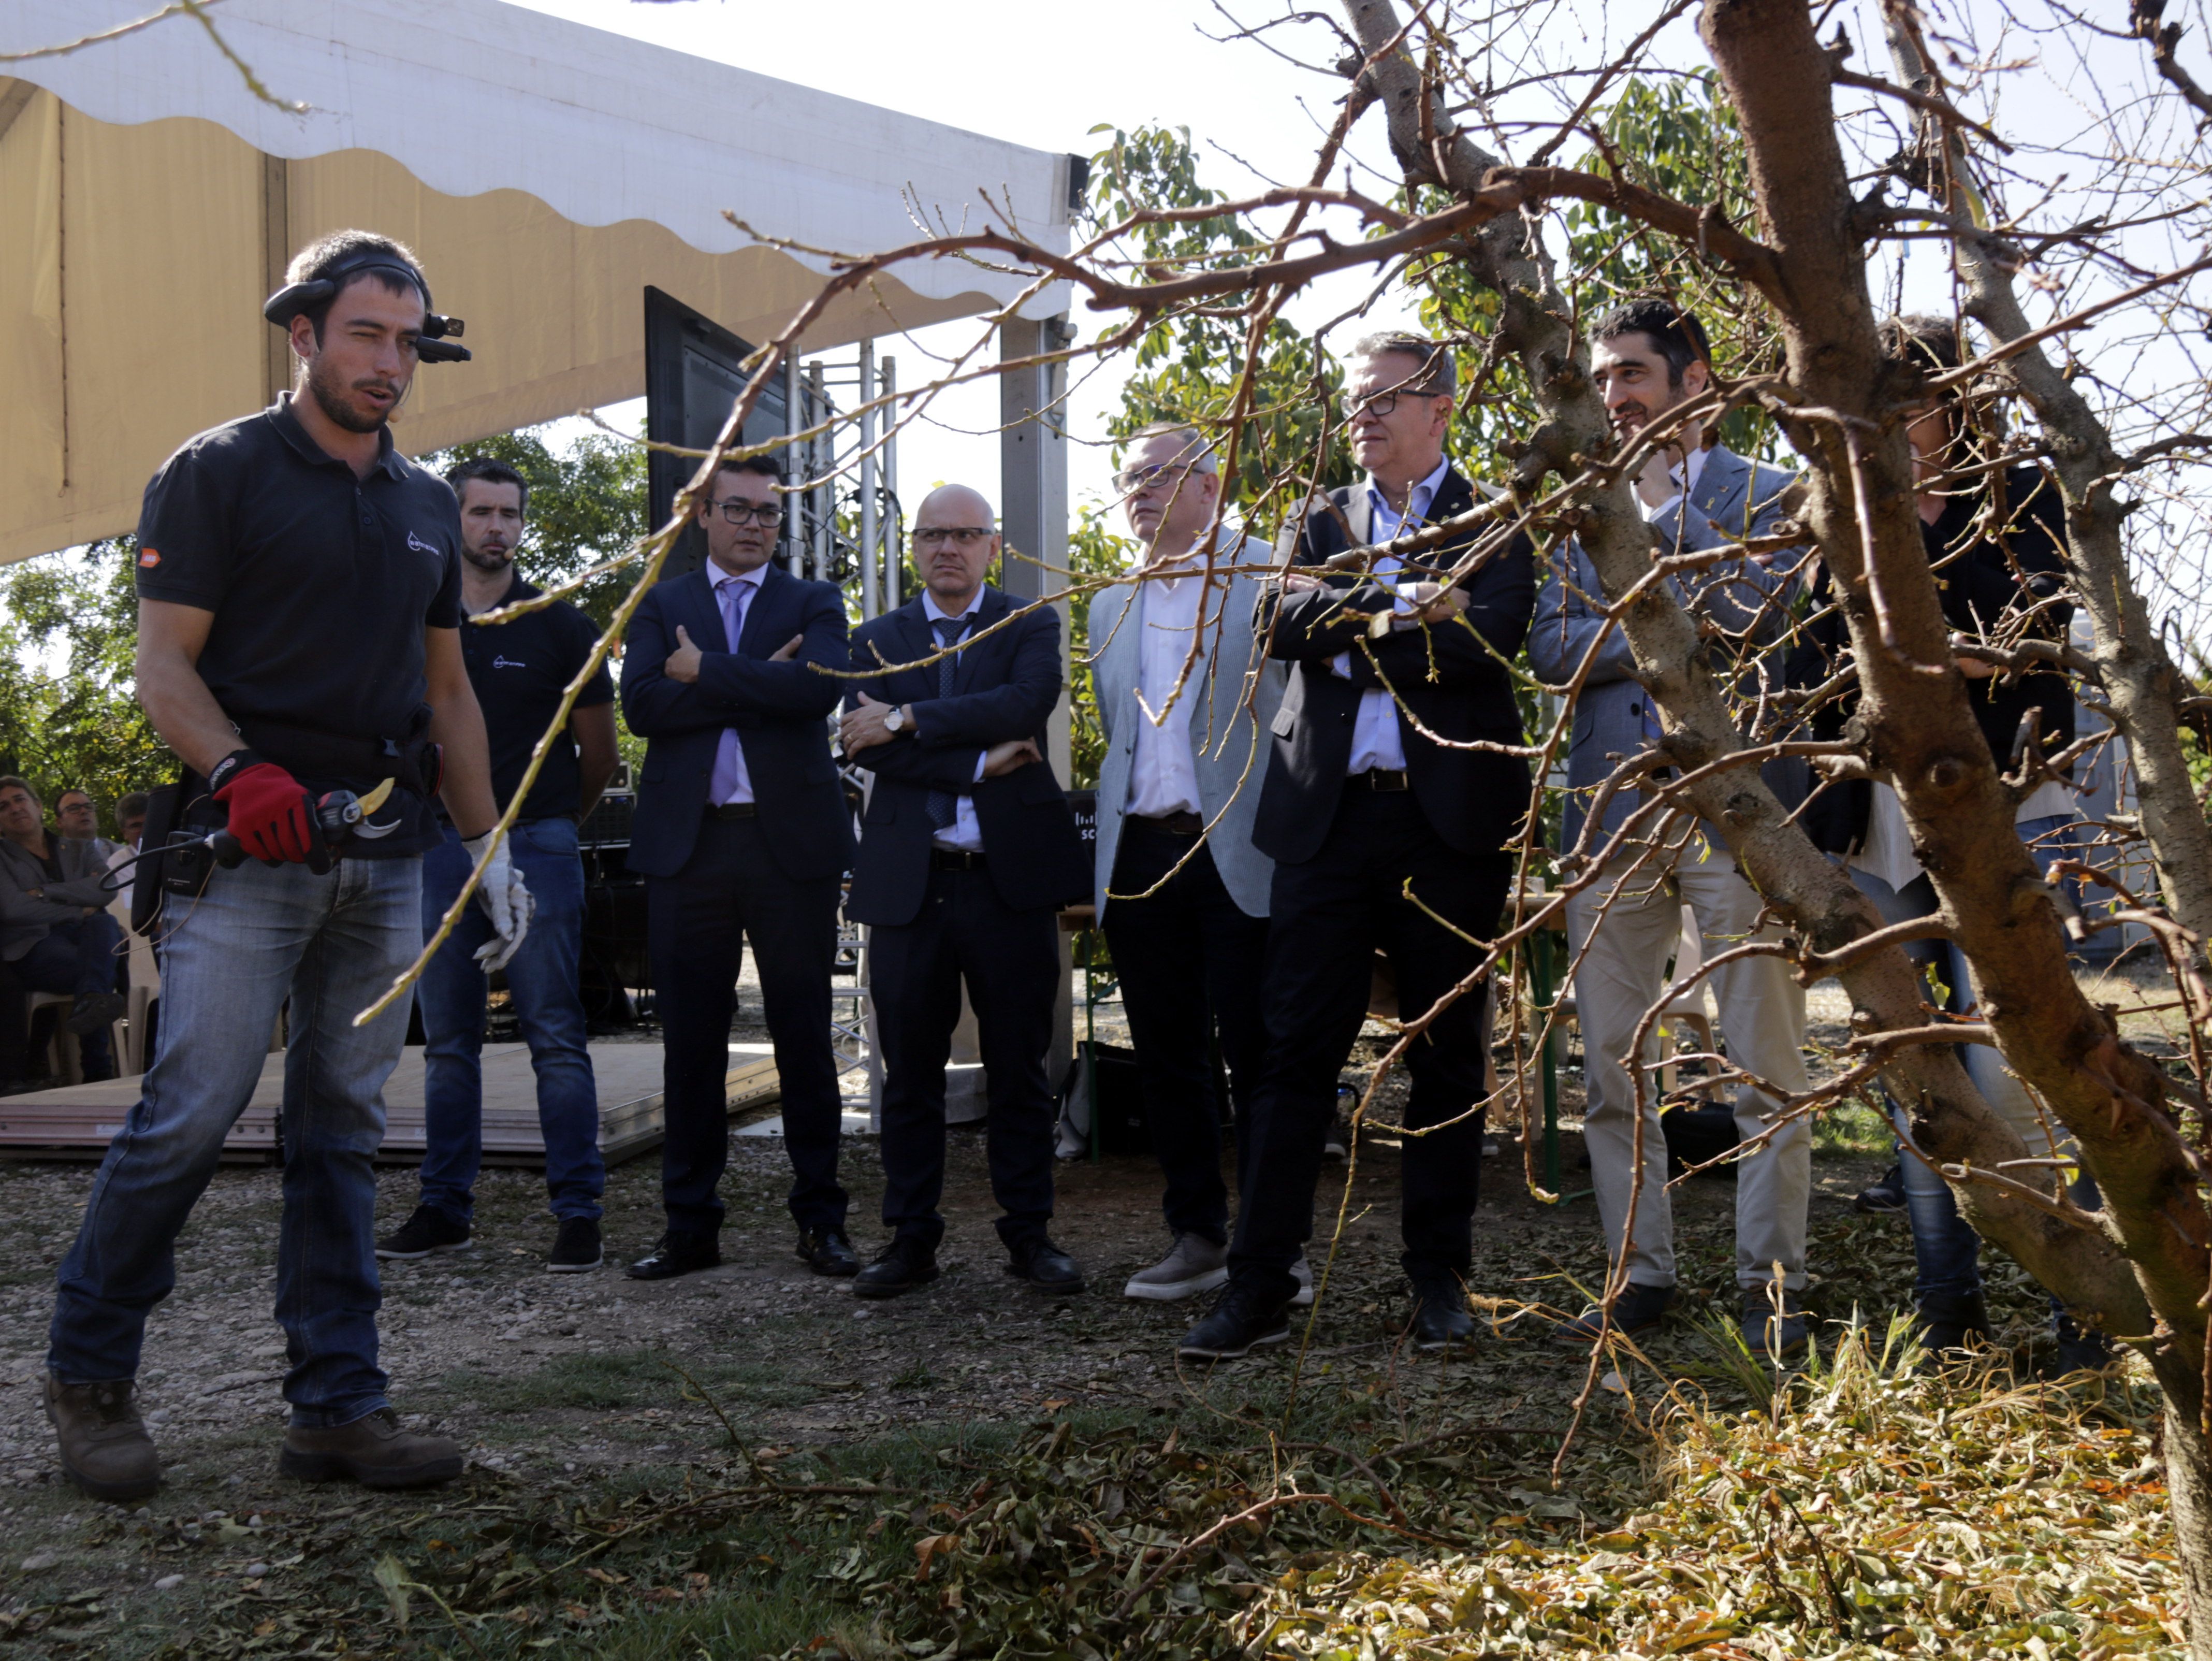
(1010, 962)
(730, 889)
(1328, 916)
(1189, 962)
(15, 1029)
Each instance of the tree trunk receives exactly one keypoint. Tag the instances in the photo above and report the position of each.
(1921, 733)
(1952, 1122)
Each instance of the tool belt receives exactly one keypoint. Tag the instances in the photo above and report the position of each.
(358, 763)
(310, 755)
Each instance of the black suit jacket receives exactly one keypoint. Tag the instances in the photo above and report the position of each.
(1004, 687)
(780, 711)
(1445, 675)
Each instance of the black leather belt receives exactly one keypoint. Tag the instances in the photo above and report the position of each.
(733, 810)
(954, 859)
(1175, 824)
(1380, 778)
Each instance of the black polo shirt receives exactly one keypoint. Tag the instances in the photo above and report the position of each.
(520, 669)
(321, 583)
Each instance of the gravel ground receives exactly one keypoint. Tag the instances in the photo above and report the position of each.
(213, 1356)
(568, 1381)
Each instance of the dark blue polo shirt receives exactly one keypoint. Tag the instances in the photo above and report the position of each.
(321, 583)
(520, 668)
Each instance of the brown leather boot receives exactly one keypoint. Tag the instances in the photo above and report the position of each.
(373, 1451)
(105, 1448)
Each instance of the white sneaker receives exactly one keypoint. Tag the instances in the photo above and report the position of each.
(1196, 1265)
(1303, 1298)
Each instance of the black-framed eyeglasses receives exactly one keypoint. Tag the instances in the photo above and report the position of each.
(1132, 480)
(738, 511)
(1382, 403)
(961, 536)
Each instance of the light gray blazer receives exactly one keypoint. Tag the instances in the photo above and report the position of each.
(23, 921)
(1734, 499)
(1229, 749)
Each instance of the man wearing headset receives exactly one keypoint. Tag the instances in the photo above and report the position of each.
(298, 635)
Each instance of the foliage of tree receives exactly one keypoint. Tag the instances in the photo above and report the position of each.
(1187, 363)
(69, 708)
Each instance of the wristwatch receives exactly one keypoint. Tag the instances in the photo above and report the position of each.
(895, 719)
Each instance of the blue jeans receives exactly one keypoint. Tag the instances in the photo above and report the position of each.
(77, 959)
(1947, 1252)
(541, 979)
(332, 944)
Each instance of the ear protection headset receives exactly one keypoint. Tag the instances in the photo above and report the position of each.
(431, 346)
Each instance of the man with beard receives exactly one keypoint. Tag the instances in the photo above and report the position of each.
(1648, 357)
(299, 609)
(521, 669)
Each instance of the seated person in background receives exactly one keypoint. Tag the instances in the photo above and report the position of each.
(55, 932)
(76, 816)
(131, 819)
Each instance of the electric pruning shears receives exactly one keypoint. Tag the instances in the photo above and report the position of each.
(339, 817)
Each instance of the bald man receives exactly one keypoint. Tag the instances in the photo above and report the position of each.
(968, 851)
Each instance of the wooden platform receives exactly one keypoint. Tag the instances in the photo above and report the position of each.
(77, 1121)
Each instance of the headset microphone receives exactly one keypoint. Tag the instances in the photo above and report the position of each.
(432, 346)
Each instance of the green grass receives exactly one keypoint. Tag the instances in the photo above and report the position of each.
(631, 1379)
(1852, 1128)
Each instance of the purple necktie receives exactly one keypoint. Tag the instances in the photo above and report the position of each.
(730, 782)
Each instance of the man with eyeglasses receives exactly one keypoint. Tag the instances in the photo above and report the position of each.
(741, 831)
(1388, 827)
(1180, 893)
(76, 816)
(968, 851)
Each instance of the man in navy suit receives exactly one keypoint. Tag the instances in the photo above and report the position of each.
(968, 851)
(1390, 823)
(741, 831)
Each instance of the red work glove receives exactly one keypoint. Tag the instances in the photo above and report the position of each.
(272, 813)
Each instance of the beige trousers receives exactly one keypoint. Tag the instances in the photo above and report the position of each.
(1618, 975)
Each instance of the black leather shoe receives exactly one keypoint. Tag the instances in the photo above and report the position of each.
(677, 1254)
(1948, 1322)
(1242, 1321)
(1440, 1316)
(829, 1252)
(900, 1267)
(1045, 1267)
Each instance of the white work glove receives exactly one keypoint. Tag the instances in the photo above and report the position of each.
(504, 901)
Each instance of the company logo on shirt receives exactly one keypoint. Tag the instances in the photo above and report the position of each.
(419, 545)
(507, 663)
(149, 558)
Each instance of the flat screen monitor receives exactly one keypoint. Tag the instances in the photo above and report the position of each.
(693, 379)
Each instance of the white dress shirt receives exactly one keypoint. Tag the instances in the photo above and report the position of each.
(1162, 772)
(1376, 739)
(964, 835)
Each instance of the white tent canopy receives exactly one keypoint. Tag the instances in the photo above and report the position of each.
(545, 172)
